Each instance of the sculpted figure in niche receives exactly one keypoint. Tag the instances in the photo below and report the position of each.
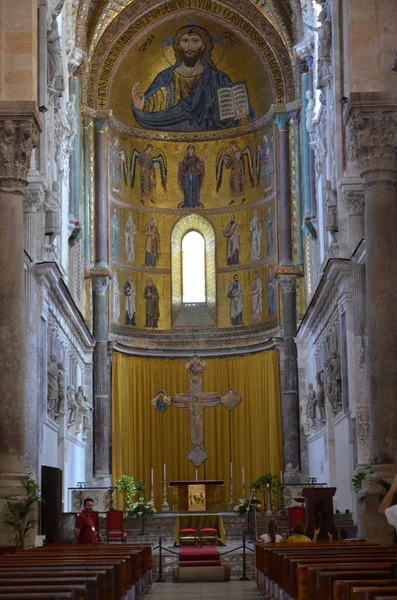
(334, 382)
(332, 212)
(130, 234)
(310, 108)
(256, 230)
(324, 46)
(83, 412)
(256, 297)
(311, 410)
(150, 161)
(152, 250)
(236, 295)
(72, 405)
(52, 394)
(151, 296)
(191, 173)
(187, 96)
(237, 161)
(232, 235)
(320, 398)
(54, 54)
(61, 391)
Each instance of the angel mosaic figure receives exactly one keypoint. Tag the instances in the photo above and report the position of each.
(118, 165)
(238, 161)
(265, 156)
(148, 164)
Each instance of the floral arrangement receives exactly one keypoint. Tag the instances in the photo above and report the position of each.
(127, 487)
(242, 506)
(143, 509)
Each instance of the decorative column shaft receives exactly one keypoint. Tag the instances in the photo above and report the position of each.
(100, 280)
(282, 122)
(86, 220)
(19, 127)
(375, 141)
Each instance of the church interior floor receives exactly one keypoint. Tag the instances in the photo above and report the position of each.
(231, 590)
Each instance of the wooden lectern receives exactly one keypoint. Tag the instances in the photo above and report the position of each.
(319, 511)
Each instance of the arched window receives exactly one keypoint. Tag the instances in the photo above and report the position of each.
(193, 268)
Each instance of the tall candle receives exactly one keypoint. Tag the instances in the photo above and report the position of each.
(165, 472)
(196, 475)
(281, 477)
(231, 470)
(242, 476)
(151, 476)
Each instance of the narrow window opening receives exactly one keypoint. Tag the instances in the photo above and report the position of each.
(193, 268)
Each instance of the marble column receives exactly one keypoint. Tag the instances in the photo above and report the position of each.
(373, 140)
(282, 122)
(19, 127)
(100, 276)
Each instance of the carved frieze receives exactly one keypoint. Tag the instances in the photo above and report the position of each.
(372, 140)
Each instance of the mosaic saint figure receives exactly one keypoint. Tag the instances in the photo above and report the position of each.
(130, 301)
(256, 297)
(130, 233)
(191, 173)
(269, 227)
(149, 162)
(264, 156)
(256, 231)
(270, 294)
(236, 295)
(115, 299)
(118, 165)
(232, 235)
(115, 234)
(190, 95)
(151, 296)
(238, 162)
(152, 247)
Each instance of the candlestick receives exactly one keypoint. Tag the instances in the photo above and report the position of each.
(232, 503)
(242, 476)
(151, 476)
(165, 472)
(281, 477)
(196, 475)
(231, 470)
(165, 507)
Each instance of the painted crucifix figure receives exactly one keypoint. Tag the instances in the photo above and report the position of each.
(196, 400)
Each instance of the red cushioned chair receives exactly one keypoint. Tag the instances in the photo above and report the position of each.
(186, 535)
(115, 526)
(95, 517)
(209, 533)
(295, 514)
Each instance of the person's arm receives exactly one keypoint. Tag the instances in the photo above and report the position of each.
(316, 532)
(329, 536)
(388, 499)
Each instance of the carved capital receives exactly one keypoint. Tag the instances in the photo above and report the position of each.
(287, 283)
(100, 125)
(100, 286)
(18, 137)
(282, 121)
(372, 140)
(355, 201)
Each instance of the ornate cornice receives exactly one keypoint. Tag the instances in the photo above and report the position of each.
(289, 270)
(19, 134)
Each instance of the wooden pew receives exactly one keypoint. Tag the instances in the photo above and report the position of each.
(79, 591)
(39, 596)
(321, 579)
(370, 593)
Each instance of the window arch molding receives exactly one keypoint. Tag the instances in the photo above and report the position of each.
(192, 222)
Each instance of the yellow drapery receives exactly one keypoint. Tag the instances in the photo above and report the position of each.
(249, 437)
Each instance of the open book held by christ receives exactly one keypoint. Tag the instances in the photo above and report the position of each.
(233, 101)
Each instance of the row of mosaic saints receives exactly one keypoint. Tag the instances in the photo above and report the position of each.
(152, 164)
(235, 294)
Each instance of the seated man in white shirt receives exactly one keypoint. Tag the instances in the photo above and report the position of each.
(271, 537)
(385, 508)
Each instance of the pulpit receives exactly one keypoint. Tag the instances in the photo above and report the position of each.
(197, 496)
(319, 511)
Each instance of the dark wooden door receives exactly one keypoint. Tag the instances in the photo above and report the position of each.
(51, 508)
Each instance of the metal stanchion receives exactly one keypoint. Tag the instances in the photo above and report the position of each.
(160, 578)
(244, 577)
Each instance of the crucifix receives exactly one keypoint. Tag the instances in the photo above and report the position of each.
(196, 400)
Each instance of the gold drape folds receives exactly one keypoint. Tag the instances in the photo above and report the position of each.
(248, 437)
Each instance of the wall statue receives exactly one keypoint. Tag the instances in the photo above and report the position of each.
(84, 410)
(320, 398)
(324, 47)
(311, 408)
(61, 391)
(52, 387)
(54, 52)
(72, 406)
(310, 108)
(334, 382)
(331, 220)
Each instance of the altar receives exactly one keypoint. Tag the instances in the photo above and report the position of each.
(197, 496)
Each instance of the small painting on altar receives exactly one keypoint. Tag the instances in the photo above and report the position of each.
(196, 495)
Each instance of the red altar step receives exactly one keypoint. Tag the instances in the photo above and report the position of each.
(200, 564)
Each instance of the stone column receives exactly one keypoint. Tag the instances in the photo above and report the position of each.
(19, 127)
(282, 121)
(100, 280)
(374, 137)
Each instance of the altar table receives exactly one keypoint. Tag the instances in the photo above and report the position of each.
(200, 521)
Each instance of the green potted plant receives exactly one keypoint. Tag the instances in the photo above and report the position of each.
(140, 487)
(144, 510)
(19, 510)
(127, 488)
(267, 484)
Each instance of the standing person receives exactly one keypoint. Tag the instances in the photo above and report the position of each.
(85, 530)
(256, 297)
(387, 508)
(130, 233)
(299, 537)
(236, 295)
(256, 236)
(151, 296)
(191, 173)
(152, 248)
(130, 301)
(232, 235)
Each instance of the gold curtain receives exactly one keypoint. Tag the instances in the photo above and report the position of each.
(248, 437)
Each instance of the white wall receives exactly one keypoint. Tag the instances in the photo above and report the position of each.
(344, 467)
(318, 458)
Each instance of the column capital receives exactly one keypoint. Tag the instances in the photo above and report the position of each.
(19, 134)
(372, 140)
(100, 125)
(354, 200)
(287, 283)
(282, 120)
(100, 276)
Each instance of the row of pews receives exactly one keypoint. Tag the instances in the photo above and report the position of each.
(324, 571)
(77, 572)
